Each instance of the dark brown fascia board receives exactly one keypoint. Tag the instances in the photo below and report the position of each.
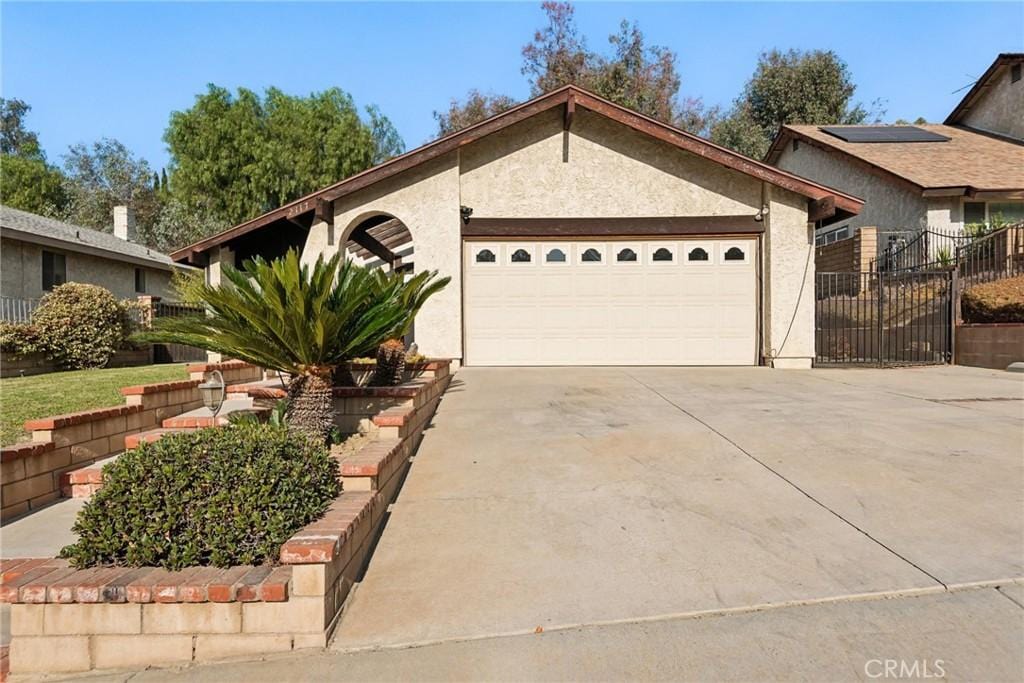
(581, 98)
(648, 226)
(981, 84)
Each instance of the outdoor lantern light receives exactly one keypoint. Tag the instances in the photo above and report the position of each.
(213, 392)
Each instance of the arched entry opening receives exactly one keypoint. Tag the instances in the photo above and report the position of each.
(381, 240)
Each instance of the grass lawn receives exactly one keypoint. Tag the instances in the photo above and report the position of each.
(29, 398)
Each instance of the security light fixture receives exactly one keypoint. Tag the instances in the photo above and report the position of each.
(213, 392)
(465, 212)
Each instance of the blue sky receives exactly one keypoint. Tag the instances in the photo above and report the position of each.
(91, 70)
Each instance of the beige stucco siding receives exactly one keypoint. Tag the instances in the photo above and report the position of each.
(611, 171)
(426, 199)
(1000, 109)
(789, 282)
(888, 204)
(22, 274)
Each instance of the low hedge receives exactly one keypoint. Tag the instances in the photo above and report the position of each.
(1001, 301)
(220, 496)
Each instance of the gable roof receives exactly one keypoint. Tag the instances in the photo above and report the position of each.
(569, 96)
(30, 227)
(970, 160)
(982, 85)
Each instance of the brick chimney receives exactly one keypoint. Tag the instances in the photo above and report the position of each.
(124, 223)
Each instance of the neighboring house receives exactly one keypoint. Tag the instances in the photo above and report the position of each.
(39, 253)
(970, 169)
(576, 232)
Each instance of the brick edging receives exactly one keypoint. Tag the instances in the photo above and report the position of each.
(159, 387)
(81, 417)
(54, 581)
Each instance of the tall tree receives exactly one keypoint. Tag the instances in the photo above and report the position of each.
(558, 54)
(104, 175)
(28, 181)
(475, 108)
(245, 154)
(793, 87)
(635, 75)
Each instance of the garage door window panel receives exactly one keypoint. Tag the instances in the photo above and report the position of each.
(662, 254)
(699, 253)
(591, 254)
(735, 253)
(521, 255)
(486, 256)
(627, 254)
(556, 255)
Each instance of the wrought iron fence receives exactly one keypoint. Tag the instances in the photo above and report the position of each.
(927, 249)
(980, 255)
(884, 319)
(997, 255)
(14, 310)
(176, 353)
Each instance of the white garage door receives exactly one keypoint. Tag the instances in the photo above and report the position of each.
(665, 302)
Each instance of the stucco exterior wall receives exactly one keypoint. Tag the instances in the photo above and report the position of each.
(1000, 109)
(611, 171)
(888, 205)
(426, 199)
(22, 272)
(789, 282)
(945, 213)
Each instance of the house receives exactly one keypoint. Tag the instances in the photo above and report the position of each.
(39, 253)
(576, 232)
(969, 169)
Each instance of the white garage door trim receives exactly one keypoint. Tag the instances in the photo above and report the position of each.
(611, 302)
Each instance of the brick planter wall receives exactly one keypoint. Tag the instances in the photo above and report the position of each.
(989, 345)
(121, 618)
(31, 474)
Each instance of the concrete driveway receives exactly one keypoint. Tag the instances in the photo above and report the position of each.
(696, 523)
(558, 497)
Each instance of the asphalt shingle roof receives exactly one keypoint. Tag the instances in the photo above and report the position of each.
(76, 236)
(968, 159)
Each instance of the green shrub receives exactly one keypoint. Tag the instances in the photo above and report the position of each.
(19, 339)
(1001, 301)
(220, 497)
(81, 326)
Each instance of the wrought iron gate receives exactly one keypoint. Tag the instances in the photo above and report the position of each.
(884, 319)
(176, 353)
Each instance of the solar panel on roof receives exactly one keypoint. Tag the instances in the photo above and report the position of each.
(884, 134)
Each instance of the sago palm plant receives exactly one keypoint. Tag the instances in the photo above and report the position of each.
(301, 320)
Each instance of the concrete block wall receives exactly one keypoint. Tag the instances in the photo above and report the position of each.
(853, 254)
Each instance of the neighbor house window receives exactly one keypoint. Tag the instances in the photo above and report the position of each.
(993, 213)
(823, 238)
(55, 270)
(140, 281)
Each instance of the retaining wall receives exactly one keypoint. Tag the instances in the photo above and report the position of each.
(123, 618)
(31, 473)
(989, 345)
